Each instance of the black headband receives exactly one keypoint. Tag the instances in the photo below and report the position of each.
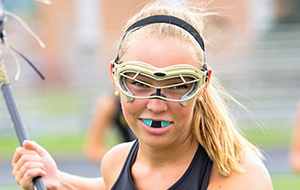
(169, 20)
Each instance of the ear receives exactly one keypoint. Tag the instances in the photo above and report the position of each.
(111, 66)
(209, 73)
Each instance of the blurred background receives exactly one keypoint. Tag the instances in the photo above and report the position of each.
(254, 49)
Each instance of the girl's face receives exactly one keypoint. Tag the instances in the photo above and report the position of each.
(156, 122)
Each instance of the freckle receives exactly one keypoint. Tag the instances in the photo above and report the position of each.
(219, 187)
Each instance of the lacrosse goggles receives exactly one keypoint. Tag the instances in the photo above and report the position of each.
(177, 83)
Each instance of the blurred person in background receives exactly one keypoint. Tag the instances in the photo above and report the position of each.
(295, 145)
(186, 138)
(287, 13)
(107, 115)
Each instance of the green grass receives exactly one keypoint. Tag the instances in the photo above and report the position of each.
(57, 145)
(269, 137)
(62, 145)
(285, 181)
(56, 102)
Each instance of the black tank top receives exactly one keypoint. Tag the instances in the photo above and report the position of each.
(196, 177)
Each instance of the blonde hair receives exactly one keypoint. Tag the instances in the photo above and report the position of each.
(213, 126)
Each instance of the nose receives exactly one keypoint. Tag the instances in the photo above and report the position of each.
(157, 105)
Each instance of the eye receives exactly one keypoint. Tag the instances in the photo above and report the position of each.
(139, 84)
(180, 87)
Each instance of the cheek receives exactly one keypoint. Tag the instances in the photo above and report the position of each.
(130, 109)
(185, 114)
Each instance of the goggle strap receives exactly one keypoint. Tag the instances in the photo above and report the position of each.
(169, 20)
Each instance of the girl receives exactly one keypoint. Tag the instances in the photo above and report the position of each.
(186, 138)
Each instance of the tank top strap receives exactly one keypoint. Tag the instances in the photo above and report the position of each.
(124, 181)
(196, 177)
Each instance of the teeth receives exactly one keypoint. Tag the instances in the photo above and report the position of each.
(156, 124)
(165, 123)
(147, 122)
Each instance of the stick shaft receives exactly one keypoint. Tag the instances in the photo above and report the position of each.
(14, 113)
(19, 126)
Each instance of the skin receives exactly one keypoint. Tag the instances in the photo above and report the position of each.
(167, 152)
(102, 120)
(295, 144)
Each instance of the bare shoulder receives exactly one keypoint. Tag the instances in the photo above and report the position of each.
(113, 161)
(256, 176)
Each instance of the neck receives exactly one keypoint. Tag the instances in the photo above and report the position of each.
(177, 152)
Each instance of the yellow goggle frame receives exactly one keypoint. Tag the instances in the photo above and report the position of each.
(182, 71)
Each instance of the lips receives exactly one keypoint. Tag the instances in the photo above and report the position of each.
(155, 124)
